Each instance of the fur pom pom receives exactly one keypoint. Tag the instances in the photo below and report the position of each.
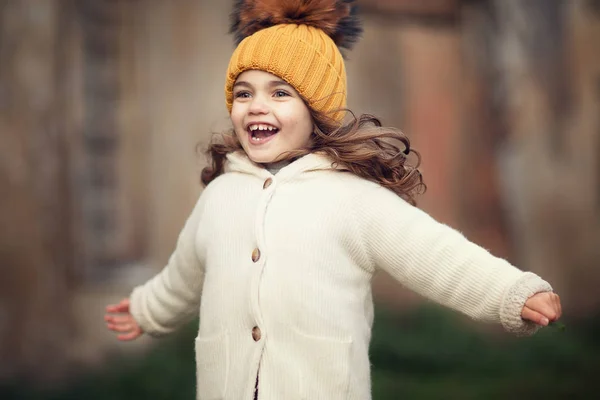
(337, 18)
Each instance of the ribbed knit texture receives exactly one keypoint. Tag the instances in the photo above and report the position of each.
(322, 234)
(303, 56)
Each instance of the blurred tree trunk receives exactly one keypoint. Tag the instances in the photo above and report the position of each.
(36, 241)
(477, 186)
(543, 62)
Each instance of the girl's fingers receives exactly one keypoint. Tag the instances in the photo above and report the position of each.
(545, 304)
(558, 305)
(130, 336)
(121, 327)
(122, 307)
(534, 316)
(118, 319)
(125, 324)
(111, 308)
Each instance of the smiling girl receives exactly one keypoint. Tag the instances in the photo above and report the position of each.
(299, 212)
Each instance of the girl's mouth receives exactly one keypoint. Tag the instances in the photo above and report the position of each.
(260, 133)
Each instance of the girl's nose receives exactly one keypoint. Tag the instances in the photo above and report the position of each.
(258, 106)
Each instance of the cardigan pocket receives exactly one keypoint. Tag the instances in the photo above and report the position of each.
(325, 372)
(212, 366)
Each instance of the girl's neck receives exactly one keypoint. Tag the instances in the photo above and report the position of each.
(274, 167)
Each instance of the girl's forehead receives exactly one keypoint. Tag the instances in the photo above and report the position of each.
(256, 75)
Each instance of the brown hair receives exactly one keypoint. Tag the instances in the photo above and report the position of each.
(362, 146)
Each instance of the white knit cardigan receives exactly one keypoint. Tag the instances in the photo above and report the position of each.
(279, 269)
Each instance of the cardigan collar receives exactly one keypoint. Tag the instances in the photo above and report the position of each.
(239, 162)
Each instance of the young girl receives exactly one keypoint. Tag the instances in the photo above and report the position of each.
(299, 213)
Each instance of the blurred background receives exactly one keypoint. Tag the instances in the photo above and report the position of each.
(102, 105)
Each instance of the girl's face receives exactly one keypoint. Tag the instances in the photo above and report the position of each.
(269, 117)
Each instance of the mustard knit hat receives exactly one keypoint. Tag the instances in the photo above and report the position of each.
(296, 40)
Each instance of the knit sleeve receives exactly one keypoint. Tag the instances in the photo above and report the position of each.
(172, 297)
(439, 263)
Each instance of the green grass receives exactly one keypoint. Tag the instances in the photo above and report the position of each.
(430, 353)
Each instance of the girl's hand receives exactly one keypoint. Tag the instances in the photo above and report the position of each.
(542, 308)
(122, 323)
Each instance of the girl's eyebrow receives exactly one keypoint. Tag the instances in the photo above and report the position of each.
(278, 82)
(242, 83)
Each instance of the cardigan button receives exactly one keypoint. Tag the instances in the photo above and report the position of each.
(256, 334)
(267, 183)
(256, 255)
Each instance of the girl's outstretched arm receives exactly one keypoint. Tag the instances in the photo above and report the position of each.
(439, 263)
(172, 297)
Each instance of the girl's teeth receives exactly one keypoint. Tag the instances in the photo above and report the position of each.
(258, 132)
(261, 127)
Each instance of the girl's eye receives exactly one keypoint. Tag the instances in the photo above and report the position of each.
(281, 93)
(242, 95)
